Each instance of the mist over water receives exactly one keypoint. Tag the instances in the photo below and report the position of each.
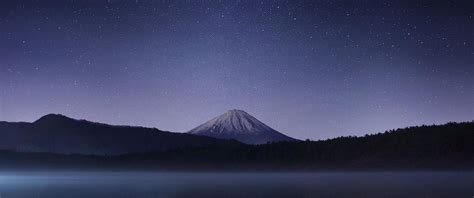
(173, 185)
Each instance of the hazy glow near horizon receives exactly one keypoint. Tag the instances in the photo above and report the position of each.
(308, 69)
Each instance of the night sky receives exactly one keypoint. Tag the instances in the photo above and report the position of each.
(310, 69)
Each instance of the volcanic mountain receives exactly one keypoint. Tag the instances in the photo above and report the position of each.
(241, 126)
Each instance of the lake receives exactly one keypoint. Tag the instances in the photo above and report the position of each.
(172, 184)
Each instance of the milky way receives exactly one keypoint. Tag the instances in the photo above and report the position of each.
(310, 69)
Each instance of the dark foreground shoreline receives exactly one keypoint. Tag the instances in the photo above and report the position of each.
(14, 161)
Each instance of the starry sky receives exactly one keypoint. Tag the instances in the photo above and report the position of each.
(310, 69)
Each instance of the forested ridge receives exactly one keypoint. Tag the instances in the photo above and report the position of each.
(448, 146)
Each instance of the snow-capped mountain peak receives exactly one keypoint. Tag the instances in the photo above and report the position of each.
(239, 125)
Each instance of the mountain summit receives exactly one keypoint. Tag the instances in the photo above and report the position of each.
(239, 125)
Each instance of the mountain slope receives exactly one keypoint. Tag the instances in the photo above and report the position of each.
(241, 126)
(59, 134)
(426, 148)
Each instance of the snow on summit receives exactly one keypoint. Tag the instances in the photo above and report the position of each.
(239, 125)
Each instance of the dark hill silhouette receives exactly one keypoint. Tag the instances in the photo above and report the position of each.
(56, 133)
(447, 147)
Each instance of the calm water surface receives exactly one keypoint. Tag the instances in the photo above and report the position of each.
(145, 184)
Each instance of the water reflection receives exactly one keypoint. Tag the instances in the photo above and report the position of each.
(145, 184)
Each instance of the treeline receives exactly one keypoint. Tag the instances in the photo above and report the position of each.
(448, 146)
